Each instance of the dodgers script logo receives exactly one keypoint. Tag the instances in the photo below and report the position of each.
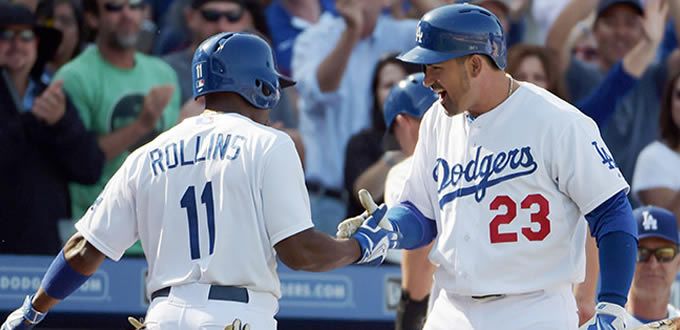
(491, 170)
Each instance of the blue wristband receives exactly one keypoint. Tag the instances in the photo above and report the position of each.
(61, 279)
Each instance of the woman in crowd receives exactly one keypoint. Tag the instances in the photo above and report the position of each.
(656, 180)
(536, 65)
(67, 17)
(366, 163)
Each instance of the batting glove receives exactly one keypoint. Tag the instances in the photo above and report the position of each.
(608, 316)
(26, 317)
(374, 240)
(137, 324)
(349, 226)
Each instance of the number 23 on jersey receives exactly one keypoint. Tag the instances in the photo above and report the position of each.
(539, 217)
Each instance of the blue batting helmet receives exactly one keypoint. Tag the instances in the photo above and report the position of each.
(457, 30)
(241, 63)
(408, 97)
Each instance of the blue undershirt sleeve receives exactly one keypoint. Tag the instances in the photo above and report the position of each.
(613, 226)
(416, 230)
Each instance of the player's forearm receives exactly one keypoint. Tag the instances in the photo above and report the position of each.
(314, 251)
(81, 257)
(417, 271)
(118, 141)
(326, 253)
(615, 229)
(332, 68)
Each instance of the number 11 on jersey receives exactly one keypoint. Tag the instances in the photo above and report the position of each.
(188, 202)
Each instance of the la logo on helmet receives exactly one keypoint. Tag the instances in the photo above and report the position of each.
(419, 35)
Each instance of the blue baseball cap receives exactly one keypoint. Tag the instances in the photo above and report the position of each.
(605, 4)
(657, 222)
(409, 97)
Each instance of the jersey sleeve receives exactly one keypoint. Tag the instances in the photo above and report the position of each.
(419, 184)
(582, 165)
(285, 201)
(110, 224)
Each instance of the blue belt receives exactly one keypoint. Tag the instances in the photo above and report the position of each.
(217, 292)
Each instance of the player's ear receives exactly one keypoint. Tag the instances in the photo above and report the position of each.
(398, 119)
(475, 65)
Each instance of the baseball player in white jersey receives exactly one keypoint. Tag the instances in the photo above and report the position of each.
(657, 267)
(214, 201)
(404, 107)
(501, 186)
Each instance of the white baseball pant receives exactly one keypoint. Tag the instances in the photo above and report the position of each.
(189, 307)
(550, 309)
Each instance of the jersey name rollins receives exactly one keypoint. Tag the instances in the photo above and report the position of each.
(219, 146)
(491, 170)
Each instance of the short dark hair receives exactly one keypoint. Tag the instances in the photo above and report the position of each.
(670, 133)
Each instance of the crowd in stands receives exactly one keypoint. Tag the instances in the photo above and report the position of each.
(85, 82)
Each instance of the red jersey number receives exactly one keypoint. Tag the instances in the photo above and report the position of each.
(540, 217)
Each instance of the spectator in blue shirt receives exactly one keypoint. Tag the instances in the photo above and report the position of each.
(627, 44)
(286, 19)
(333, 63)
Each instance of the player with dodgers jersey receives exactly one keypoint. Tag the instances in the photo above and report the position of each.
(213, 200)
(502, 186)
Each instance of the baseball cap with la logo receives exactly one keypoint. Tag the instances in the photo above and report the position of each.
(658, 222)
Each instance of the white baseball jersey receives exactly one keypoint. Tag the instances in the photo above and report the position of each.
(394, 184)
(208, 199)
(508, 190)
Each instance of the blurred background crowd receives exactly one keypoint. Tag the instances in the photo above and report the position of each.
(85, 82)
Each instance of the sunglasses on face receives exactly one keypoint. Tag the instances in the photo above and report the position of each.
(114, 7)
(214, 15)
(664, 254)
(23, 35)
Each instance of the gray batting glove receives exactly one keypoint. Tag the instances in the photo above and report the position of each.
(26, 317)
(349, 226)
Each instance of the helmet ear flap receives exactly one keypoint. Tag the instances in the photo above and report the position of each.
(264, 88)
(263, 94)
